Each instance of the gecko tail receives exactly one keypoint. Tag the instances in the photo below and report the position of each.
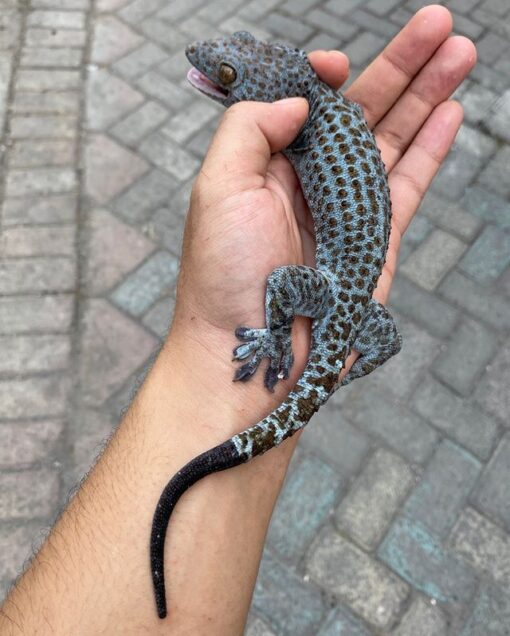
(212, 461)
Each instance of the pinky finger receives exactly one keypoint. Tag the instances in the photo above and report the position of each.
(413, 174)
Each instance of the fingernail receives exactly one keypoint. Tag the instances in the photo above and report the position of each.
(339, 53)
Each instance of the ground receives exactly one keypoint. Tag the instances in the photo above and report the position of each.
(396, 516)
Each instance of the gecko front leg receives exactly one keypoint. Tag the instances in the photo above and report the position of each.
(293, 290)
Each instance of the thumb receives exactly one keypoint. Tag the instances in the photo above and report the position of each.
(248, 134)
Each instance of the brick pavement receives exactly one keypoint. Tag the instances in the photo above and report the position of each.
(396, 517)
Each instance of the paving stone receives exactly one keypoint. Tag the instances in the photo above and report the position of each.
(159, 316)
(457, 172)
(60, 4)
(482, 544)
(488, 256)
(491, 495)
(465, 26)
(321, 42)
(469, 351)
(32, 154)
(342, 623)
(256, 9)
(493, 177)
(499, 118)
(491, 47)
(283, 26)
(332, 437)
(386, 419)
(113, 348)
(107, 264)
(142, 288)
(217, 10)
(110, 168)
(417, 556)
(175, 66)
(51, 57)
(424, 308)
(257, 627)
(26, 275)
(10, 24)
(34, 397)
(40, 314)
(337, 27)
(16, 546)
(40, 181)
(166, 228)
(135, 11)
(488, 206)
(161, 89)
(294, 606)
(363, 48)
(444, 488)
(56, 19)
(422, 619)
(109, 99)
(491, 613)
(489, 77)
(89, 440)
(479, 301)
(165, 34)
(147, 194)
(28, 494)
(237, 23)
(455, 417)
(5, 78)
(32, 354)
(61, 102)
(478, 102)
(342, 7)
(492, 392)
(175, 10)
(193, 25)
(168, 156)
(38, 241)
(450, 217)
(374, 24)
(400, 375)
(433, 258)
(185, 124)
(475, 142)
(369, 589)
(54, 37)
(381, 7)
(140, 61)
(367, 510)
(24, 443)
(306, 501)
(112, 39)
(33, 211)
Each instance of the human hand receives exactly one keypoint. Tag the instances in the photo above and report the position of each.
(248, 215)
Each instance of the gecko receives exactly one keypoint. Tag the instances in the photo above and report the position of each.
(344, 183)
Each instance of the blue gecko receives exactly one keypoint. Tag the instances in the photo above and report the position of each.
(344, 183)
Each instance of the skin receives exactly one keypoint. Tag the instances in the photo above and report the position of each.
(247, 216)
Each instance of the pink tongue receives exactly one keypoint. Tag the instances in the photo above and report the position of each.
(200, 81)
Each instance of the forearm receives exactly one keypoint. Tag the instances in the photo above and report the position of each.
(92, 575)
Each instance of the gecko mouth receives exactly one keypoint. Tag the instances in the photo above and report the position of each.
(204, 84)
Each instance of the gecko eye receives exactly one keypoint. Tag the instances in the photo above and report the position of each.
(227, 74)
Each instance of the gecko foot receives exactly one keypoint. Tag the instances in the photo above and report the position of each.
(264, 343)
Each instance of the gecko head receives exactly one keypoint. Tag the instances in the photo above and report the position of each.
(240, 67)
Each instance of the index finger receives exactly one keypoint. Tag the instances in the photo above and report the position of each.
(382, 83)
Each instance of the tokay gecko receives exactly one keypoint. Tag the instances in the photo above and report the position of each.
(344, 183)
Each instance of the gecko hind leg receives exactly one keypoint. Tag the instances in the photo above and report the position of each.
(377, 341)
(291, 291)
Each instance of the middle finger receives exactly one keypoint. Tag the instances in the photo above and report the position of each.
(434, 84)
